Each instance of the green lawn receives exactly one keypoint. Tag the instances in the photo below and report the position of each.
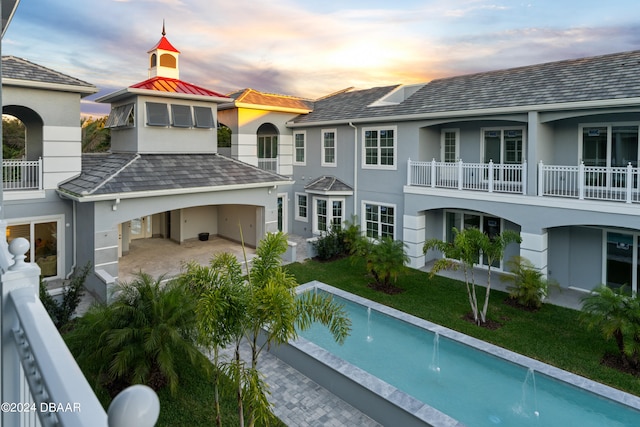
(553, 334)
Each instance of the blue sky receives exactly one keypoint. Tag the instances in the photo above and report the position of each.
(313, 47)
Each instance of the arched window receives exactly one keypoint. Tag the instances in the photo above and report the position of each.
(154, 60)
(168, 61)
(268, 147)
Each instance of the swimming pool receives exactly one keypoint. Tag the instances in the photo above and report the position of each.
(401, 370)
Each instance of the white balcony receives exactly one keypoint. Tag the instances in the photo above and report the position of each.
(22, 174)
(42, 384)
(490, 177)
(615, 184)
(618, 184)
(268, 164)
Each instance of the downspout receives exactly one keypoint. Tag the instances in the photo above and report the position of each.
(75, 251)
(355, 169)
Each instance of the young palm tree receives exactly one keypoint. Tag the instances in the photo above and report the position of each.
(140, 336)
(464, 252)
(275, 314)
(617, 316)
(261, 308)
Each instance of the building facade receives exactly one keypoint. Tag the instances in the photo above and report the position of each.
(548, 150)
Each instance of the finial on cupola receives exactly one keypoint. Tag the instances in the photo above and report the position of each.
(164, 33)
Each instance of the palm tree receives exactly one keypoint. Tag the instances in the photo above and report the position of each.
(140, 336)
(464, 252)
(261, 308)
(617, 316)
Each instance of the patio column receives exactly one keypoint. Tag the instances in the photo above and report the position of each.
(535, 248)
(413, 235)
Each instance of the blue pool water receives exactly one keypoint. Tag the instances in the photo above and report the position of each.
(472, 386)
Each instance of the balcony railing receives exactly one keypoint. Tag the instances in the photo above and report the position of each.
(590, 182)
(268, 164)
(22, 174)
(618, 184)
(42, 384)
(490, 177)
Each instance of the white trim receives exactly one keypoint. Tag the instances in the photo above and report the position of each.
(378, 164)
(363, 220)
(335, 148)
(304, 148)
(442, 142)
(60, 238)
(169, 192)
(330, 217)
(297, 207)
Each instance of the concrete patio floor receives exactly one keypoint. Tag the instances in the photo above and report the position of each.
(158, 256)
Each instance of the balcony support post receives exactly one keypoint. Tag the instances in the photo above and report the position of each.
(581, 178)
(629, 183)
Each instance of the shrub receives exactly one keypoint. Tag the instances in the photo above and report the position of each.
(139, 337)
(62, 311)
(528, 285)
(331, 244)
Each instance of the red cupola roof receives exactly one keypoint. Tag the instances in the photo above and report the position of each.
(164, 43)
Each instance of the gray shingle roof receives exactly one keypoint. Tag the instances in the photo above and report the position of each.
(327, 184)
(121, 173)
(21, 69)
(604, 77)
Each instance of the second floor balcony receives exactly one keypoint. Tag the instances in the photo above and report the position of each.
(617, 184)
(22, 175)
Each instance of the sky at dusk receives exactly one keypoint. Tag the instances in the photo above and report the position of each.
(313, 47)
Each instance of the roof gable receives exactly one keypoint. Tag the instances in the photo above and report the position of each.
(270, 100)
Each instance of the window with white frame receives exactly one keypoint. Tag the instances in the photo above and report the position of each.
(328, 213)
(300, 148)
(609, 145)
(46, 240)
(379, 148)
(329, 148)
(461, 220)
(379, 220)
(450, 143)
(301, 207)
(504, 145)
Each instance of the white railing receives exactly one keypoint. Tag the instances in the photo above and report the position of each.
(489, 177)
(42, 384)
(270, 165)
(589, 182)
(22, 174)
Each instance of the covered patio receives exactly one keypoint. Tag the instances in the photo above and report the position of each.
(158, 256)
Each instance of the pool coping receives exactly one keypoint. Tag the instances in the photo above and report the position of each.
(423, 413)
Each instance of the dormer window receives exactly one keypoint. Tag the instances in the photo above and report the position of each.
(157, 114)
(181, 116)
(204, 117)
(121, 116)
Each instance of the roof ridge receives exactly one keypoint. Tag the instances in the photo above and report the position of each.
(560, 62)
(115, 174)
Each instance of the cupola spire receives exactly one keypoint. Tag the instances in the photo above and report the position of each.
(163, 58)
